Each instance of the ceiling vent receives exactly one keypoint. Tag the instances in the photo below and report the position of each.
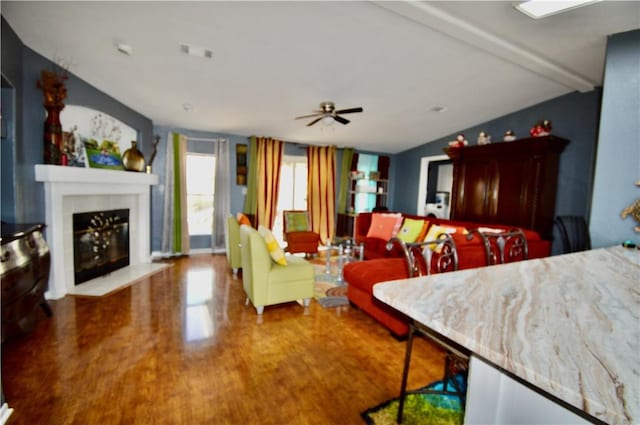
(198, 51)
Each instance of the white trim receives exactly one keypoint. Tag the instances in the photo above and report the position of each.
(422, 186)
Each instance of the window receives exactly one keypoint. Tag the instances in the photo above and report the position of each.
(363, 200)
(292, 194)
(200, 191)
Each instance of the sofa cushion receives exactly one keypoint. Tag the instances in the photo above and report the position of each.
(365, 274)
(412, 229)
(297, 269)
(384, 225)
(276, 252)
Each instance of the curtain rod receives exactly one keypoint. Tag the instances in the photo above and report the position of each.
(204, 139)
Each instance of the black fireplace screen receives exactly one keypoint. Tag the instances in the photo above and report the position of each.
(100, 243)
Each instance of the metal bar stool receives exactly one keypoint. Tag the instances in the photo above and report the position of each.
(502, 246)
(439, 255)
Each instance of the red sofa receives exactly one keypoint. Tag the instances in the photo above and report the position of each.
(381, 265)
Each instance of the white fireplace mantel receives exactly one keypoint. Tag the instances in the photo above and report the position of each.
(70, 190)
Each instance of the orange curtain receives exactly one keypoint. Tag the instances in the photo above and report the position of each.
(321, 190)
(269, 158)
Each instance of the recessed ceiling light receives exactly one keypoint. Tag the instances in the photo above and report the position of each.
(538, 9)
(439, 109)
(198, 51)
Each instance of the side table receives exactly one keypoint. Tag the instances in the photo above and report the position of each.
(24, 274)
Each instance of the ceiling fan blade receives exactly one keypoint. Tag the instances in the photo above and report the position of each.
(341, 120)
(309, 116)
(349, 111)
(314, 121)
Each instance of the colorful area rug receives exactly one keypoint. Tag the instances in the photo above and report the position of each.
(326, 291)
(423, 409)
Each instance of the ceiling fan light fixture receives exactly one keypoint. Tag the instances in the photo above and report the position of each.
(327, 120)
(538, 9)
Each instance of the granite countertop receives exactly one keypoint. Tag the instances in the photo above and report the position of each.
(569, 325)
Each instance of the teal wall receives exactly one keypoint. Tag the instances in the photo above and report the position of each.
(618, 163)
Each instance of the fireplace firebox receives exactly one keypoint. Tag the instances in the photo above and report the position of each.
(100, 243)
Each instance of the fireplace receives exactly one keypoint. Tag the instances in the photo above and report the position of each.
(100, 243)
(71, 190)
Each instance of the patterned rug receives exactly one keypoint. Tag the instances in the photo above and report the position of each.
(429, 409)
(327, 292)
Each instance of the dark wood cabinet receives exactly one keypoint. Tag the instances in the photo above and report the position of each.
(24, 272)
(511, 183)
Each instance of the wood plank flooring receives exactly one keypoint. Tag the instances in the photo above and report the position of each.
(180, 347)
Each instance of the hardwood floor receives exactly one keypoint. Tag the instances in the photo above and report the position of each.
(180, 347)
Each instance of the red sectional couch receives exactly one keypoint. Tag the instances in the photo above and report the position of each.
(381, 265)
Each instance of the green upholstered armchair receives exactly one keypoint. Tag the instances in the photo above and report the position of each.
(268, 283)
(232, 244)
(298, 233)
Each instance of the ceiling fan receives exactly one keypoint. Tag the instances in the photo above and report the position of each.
(328, 114)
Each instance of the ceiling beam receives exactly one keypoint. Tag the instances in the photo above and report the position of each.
(425, 13)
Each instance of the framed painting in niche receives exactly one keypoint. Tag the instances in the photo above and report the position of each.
(241, 164)
(94, 139)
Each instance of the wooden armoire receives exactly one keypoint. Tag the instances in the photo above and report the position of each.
(512, 183)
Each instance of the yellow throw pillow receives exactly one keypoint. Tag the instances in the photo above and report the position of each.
(410, 230)
(276, 252)
(434, 232)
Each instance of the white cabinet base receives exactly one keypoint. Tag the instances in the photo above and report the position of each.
(495, 398)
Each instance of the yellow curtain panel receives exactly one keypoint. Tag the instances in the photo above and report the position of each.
(269, 158)
(321, 190)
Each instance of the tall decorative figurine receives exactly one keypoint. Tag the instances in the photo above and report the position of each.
(52, 85)
(153, 154)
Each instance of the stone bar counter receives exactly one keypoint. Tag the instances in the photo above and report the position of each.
(568, 327)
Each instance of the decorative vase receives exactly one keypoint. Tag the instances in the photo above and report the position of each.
(52, 85)
(132, 158)
(53, 136)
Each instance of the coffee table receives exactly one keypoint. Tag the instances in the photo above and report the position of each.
(347, 251)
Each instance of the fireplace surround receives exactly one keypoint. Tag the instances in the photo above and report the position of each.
(70, 190)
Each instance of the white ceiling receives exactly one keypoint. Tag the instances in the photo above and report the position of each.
(273, 61)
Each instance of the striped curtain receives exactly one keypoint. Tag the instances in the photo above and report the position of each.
(321, 190)
(175, 231)
(268, 161)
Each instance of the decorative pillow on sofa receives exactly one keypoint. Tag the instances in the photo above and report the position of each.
(412, 229)
(243, 219)
(384, 225)
(436, 230)
(276, 252)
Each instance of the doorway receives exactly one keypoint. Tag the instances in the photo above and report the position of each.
(434, 191)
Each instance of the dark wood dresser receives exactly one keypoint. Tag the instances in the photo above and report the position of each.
(24, 274)
(512, 183)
